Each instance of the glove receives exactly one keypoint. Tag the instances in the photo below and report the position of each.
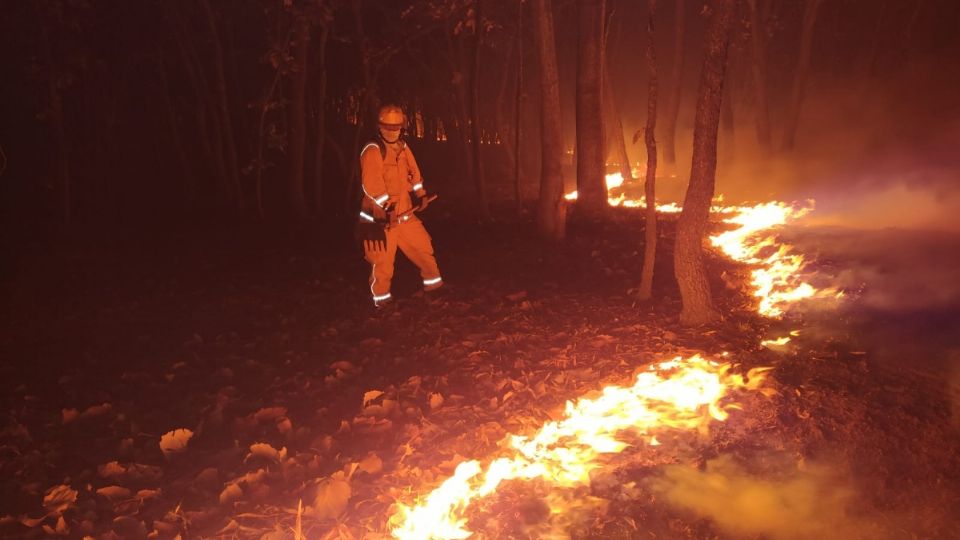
(372, 237)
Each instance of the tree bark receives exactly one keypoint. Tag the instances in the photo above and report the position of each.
(591, 188)
(223, 102)
(519, 110)
(552, 208)
(694, 220)
(321, 119)
(649, 188)
(800, 76)
(483, 208)
(189, 190)
(759, 53)
(615, 133)
(675, 91)
(298, 118)
(207, 132)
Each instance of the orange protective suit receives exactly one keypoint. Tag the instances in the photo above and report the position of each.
(389, 173)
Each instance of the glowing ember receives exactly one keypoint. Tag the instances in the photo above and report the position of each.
(676, 394)
(779, 342)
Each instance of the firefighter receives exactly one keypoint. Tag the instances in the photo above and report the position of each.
(389, 175)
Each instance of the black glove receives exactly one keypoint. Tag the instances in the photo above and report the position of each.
(372, 236)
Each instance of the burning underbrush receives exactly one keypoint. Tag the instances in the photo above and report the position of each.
(290, 424)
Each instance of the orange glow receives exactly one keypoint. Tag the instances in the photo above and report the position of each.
(679, 394)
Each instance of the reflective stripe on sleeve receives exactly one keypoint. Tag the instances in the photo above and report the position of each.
(418, 187)
(433, 281)
(381, 199)
(368, 146)
(381, 298)
(366, 216)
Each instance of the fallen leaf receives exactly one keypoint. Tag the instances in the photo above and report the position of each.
(370, 396)
(59, 498)
(114, 492)
(332, 497)
(174, 442)
(69, 415)
(96, 410)
(436, 400)
(264, 450)
(230, 493)
(371, 464)
(129, 528)
(270, 413)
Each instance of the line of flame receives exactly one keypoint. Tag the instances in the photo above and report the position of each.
(675, 394)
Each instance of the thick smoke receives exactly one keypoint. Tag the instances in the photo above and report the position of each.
(816, 502)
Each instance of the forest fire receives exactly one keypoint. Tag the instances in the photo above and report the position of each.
(679, 394)
(776, 278)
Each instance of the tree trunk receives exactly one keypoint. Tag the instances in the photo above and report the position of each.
(694, 220)
(483, 208)
(649, 187)
(615, 133)
(189, 191)
(759, 53)
(519, 110)
(321, 120)
(552, 208)
(207, 134)
(676, 86)
(800, 76)
(223, 102)
(591, 188)
(298, 118)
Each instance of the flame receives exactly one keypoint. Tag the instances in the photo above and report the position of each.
(776, 278)
(676, 394)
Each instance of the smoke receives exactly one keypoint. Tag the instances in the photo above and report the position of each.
(815, 502)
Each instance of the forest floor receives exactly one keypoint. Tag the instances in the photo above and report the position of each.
(293, 389)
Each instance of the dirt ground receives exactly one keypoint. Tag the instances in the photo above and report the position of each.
(262, 344)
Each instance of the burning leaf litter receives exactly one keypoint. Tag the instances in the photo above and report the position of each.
(677, 394)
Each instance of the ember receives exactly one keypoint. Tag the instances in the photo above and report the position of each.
(676, 394)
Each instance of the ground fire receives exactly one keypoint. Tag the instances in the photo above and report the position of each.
(477, 269)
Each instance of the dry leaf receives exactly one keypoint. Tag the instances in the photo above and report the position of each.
(59, 498)
(270, 413)
(114, 492)
(174, 442)
(264, 450)
(230, 493)
(332, 496)
(96, 410)
(370, 396)
(69, 415)
(371, 464)
(436, 400)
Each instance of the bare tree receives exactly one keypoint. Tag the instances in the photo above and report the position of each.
(298, 116)
(223, 108)
(694, 220)
(649, 187)
(476, 132)
(325, 17)
(552, 211)
(519, 112)
(800, 75)
(675, 91)
(591, 188)
(758, 43)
